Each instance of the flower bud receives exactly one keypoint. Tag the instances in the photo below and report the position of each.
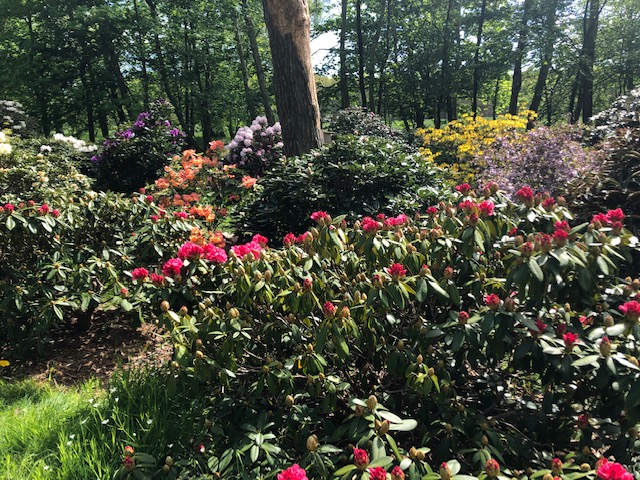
(419, 359)
(312, 443)
(547, 476)
(445, 471)
(585, 467)
(608, 320)
(484, 440)
(166, 468)
(372, 402)
(183, 311)
(169, 461)
(199, 355)
(605, 346)
(289, 401)
(164, 306)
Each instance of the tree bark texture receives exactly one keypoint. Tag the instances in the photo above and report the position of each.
(547, 56)
(344, 80)
(476, 59)
(289, 28)
(516, 84)
(363, 93)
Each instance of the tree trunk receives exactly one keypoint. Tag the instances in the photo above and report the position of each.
(253, 41)
(344, 80)
(445, 72)
(516, 84)
(363, 93)
(547, 56)
(586, 89)
(373, 56)
(243, 68)
(289, 28)
(476, 60)
(45, 123)
(143, 58)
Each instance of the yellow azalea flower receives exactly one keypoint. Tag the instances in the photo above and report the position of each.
(4, 363)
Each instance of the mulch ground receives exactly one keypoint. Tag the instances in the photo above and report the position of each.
(73, 355)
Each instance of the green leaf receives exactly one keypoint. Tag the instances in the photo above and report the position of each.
(126, 305)
(588, 360)
(377, 449)
(535, 269)
(455, 466)
(406, 426)
(436, 286)
(11, 223)
(344, 470)
(381, 462)
(387, 415)
(421, 290)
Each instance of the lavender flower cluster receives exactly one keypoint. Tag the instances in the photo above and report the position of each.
(547, 159)
(256, 146)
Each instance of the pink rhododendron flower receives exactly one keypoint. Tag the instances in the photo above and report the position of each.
(600, 220)
(124, 291)
(463, 317)
(172, 267)
(44, 209)
(613, 471)
(556, 466)
(492, 301)
(631, 310)
(616, 215)
(360, 458)
(377, 473)
(251, 249)
(397, 473)
(369, 225)
(154, 218)
(570, 339)
(548, 204)
(468, 206)
(463, 188)
(381, 217)
(55, 212)
(432, 211)
(560, 237)
(139, 273)
(583, 421)
(329, 309)
(540, 325)
(9, 207)
(190, 251)
(396, 221)
(289, 239)
(260, 240)
(294, 472)
(181, 215)
(525, 195)
(307, 283)
(319, 216)
(492, 467)
(214, 254)
(513, 232)
(486, 208)
(156, 279)
(563, 225)
(396, 271)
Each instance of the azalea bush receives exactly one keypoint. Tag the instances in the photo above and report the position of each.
(135, 157)
(548, 159)
(14, 119)
(255, 148)
(459, 146)
(354, 175)
(487, 329)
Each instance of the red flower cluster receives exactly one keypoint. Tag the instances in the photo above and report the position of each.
(612, 471)
(321, 217)
(329, 309)
(139, 273)
(294, 472)
(397, 473)
(360, 458)
(525, 195)
(396, 271)
(486, 208)
(396, 221)
(432, 211)
(492, 301)
(612, 218)
(252, 248)
(492, 467)
(290, 239)
(631, 310)
(172, 267)
(377, 473)
(570, 339)
(463, 188)
(548, 204)
(370, 225)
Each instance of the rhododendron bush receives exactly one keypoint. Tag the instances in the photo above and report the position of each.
(494, 330)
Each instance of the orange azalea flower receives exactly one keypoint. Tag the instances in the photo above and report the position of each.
(248, 182)
(217, 239)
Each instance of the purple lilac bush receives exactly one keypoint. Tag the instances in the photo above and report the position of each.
(255, 147)
(548, 159)
(135, 156)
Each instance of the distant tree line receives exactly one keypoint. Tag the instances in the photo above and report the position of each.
(90, 66)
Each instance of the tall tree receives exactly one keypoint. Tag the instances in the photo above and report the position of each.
(344, 80)
(257, 60)
(476, 59)
(516, 84)
(289, 24)
(546, 57)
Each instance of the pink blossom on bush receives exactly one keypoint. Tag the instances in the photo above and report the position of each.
(432, 211)
(377, 473)
(260, 240)
(396, 271)
(360, 458)
(214, 254)
(560, 237)
(563, 225)
(616, 215)
(139, 273)
(631, 310)
(525, 195)
(190, 251)
(319, 216)
(370, 225)
(397, 473)
(468, 206)
(492, 467)
(172, 267)
(294, 472)
(44, 209)
(9, 207)
(486, 208)
(156, 279)
(492, 301)
(613, 471)
(251, 248)
(181, 215)
(548, 204)
(569, 339)
(463, 188)
(289, 239)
